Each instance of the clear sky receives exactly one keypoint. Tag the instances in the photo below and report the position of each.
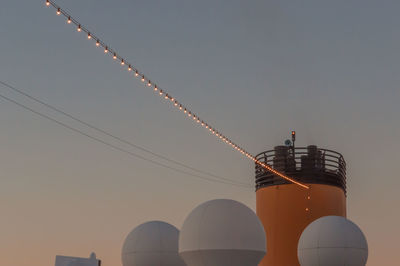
(254, 69)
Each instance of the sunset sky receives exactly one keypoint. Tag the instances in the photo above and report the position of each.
(254, 69)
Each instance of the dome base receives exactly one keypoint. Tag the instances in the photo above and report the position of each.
(227, 257)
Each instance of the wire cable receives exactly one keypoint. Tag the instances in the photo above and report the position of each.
(116, 147)
(116, 137)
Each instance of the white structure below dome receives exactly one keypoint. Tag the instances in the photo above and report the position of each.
(222, 233)
(332, 241)
(153, 243)
(74, 261)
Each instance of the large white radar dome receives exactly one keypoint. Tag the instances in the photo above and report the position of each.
(332, 241)
(153, 243)
(222, 233)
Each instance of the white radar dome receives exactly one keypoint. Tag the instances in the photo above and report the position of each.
(222, 233)
(332, 241)
(153, 243)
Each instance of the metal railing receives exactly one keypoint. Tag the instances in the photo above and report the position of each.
(305, 164)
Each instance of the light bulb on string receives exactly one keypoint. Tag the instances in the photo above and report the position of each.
(180, 106)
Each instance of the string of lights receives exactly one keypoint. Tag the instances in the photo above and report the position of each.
(162, 93)
(124, 141)
(119, 148)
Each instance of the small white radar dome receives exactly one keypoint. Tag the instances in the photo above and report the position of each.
(153, 243)
(222, 233)
(332, 241)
